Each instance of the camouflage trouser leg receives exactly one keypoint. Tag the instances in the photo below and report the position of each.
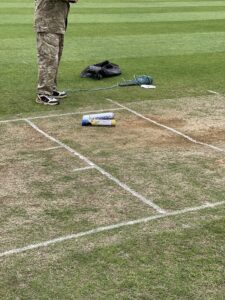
(49, 48)
(61, 45)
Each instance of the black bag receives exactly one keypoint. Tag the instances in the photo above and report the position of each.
(101, 70)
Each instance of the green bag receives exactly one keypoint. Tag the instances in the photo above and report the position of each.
(138, 80)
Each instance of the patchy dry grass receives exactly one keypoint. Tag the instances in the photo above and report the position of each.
(180, 257)
(42, 198)
(160, 165)
(202, 118)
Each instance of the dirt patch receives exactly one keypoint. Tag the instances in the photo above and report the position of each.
(201, 118)
(137, 132)
(208, 131)
(209, 135)
(221, 162)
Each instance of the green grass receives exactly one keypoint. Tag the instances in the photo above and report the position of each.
(184, 260)
(179, 43)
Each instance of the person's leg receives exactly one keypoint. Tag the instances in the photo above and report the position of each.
(48, 61)
(60, 51)
(56, 93)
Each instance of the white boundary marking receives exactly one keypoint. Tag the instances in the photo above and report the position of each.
(12, 120)
(102, 171)
(74, 113)
(51, 148)
(60, 115)
(83, 169)
(167, 127)
(168, 99)
(108, 228)
(213, 92)
(162, 212)
(84, 112)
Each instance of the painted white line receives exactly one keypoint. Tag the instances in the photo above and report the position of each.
(169, 99)
(75, 113)
(108, 228)
(51, 148)
(61, 115)
(83, 169)
(102, 171)
(75, 153)
(213, 92)
(168, 128)
(12, 120)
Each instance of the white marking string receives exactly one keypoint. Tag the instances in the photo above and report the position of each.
(102, 171)
(51, 148)
(169, 99)
(213, 92)
(75, 113)
(83, 169)
(12, 120)
(167, 127)
(61, 115)
(107, 228)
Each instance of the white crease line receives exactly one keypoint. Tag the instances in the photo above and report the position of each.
(168, 99)
(51, 148)
(213, 92)
(108, 228)
(102, 171)
(83, 169)
(168, 128)
(60, 115)
(12, 120)
(73, 113)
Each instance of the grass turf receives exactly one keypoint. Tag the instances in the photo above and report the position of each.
(179, 43)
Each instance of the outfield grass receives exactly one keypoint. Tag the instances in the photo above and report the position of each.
(179, 43)
(46, 194)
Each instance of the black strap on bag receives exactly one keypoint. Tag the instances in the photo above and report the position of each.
(101, 70)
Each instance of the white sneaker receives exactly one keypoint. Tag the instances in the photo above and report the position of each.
(59, 95)
(47, 100)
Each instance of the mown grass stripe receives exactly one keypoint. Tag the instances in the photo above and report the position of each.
(111, 29)
(123, 5)
(121, 18)
(146, 17)
(139, 46)
(148, 45)
(129, 10)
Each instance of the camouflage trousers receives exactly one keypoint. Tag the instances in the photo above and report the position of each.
(49, 52)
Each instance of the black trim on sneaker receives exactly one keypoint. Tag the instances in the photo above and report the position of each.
(47, 100)
(59, 95)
